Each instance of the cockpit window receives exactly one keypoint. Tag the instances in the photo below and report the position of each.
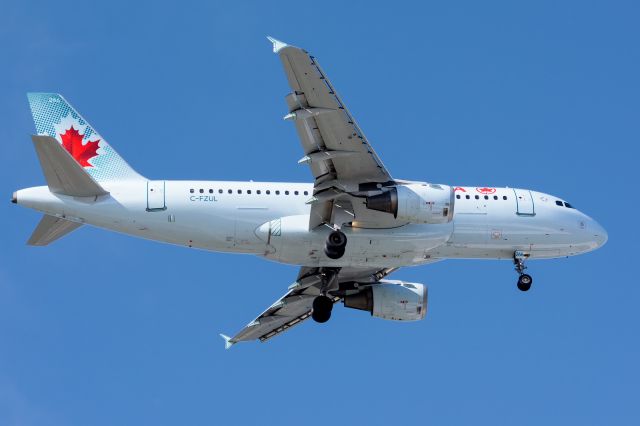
(558, 203)
(568, 205)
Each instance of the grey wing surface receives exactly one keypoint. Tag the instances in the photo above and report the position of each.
(339, 155)
(296, 305)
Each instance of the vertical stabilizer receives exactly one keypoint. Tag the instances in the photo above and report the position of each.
(55, 117)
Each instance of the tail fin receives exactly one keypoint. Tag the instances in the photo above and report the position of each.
(54, 117)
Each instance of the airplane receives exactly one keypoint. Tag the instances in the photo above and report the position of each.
(348, 230)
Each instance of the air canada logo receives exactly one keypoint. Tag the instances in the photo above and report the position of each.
(486, 191)
(72, 142)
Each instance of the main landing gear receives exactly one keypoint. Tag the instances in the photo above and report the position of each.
(323, 304)
(335, 246)
(524, 280)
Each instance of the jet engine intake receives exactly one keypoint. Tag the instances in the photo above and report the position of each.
(416, 203)
(391, 300)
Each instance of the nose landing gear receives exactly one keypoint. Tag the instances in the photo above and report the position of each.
(524, 280)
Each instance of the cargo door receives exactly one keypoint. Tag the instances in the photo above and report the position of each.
(155, 195)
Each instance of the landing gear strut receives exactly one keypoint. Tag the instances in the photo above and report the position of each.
(524, 280)
(335, 246)
(323, 304)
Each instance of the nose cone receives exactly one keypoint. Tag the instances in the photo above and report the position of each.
(14, 198)
(599, 234)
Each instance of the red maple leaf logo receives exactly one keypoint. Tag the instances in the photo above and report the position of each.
(72, 142)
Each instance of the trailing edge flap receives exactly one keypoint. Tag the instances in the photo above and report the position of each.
(63, 173)
(50, 229)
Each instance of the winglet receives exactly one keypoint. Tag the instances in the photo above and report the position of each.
(277, 44)
(227, 341)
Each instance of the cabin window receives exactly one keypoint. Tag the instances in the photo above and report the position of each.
(249, 191)
(268, 192)
(230, 191)
(458, 196)
(219, 191)
(211, 191)
(306, 192)
(258, 192)
(467, 197)
(239, 191)
(191, 190)
(295, 192)
(486, 197)
(286, 192)
(477, 197)
(504, 197)
(277, 192)
(495, 197)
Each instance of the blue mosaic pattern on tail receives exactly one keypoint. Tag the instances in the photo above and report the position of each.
(53, 115)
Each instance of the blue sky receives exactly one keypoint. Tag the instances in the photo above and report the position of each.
(104, 329)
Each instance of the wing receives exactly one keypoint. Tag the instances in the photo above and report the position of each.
(295, 306)
(339, 154)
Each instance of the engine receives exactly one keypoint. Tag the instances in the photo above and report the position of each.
(416, 203)
(391, 300)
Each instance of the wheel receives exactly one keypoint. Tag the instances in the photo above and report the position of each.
(335, 246)
(333, 253)
(337, 239)
(524, 282)
(322, 306)
(321, 317)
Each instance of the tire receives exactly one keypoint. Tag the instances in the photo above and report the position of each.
(333, 253)
(337, 239)
(335, 246)
(322, 306)
(322, 303)
(321, 317)
(524, 282)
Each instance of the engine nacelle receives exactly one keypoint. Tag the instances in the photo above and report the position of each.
(416, 203)
(391, 300)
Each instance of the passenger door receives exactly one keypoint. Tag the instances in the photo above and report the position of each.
(524, 202)
(155, 195)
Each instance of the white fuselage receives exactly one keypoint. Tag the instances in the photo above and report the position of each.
(272, 220)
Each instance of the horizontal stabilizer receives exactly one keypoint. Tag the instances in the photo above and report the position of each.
(63, 173)
(50, 229)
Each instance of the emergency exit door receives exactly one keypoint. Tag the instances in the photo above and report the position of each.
(524, 202)
(155, 195)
